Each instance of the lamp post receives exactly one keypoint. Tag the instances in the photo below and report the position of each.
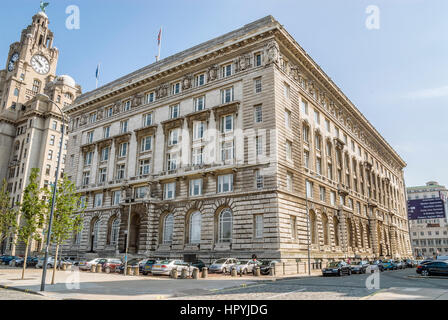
(128, 200)
(44, 267)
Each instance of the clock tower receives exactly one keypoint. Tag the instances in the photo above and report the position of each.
(30, 126)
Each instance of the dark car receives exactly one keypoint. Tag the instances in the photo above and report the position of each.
(337, 268)
(198, 264)
(266, 266)
(31, 262)
(7, 259)
(435, 268)
(135, 262)
(410, 263)
(359, 267)
(424, 262)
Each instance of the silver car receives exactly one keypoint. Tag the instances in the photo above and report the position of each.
(222, 265)
(247, 266)
(165, 267)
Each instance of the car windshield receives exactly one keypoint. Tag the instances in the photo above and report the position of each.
(333, 264)
(243, 262)
(166, 261)
(220, 261)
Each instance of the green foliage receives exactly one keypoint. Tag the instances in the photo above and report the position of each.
(8, 215)
(67, 217)
(32, 210)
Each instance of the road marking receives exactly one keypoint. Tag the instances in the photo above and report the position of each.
(285, 293)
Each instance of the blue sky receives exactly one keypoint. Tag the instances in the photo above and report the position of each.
(396, 76)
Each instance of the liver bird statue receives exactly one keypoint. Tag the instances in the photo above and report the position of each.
(43, 5)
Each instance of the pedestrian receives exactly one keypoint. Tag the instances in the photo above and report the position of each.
(348, 260)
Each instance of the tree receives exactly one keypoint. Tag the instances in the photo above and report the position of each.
(8, 215)
(67, 217)
(32, 211)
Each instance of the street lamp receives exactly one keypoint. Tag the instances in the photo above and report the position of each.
(128, 200)
(44, 267)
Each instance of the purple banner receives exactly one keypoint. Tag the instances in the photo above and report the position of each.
(432, 208)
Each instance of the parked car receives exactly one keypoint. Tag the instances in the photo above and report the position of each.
(246, 266)
(7, 259)
(422, 262)
(389, 265)
(199, 264)
(433, 268)
(266, 266)
(337, 268)
(147, 267)
(410, 263)
(40, 262)
(131, 263)
(31, 262)
(378, 263)
(109, 264)
(400, 264)
(86, 265)
(372, 267)
(165, 267)
(359, 267)
(222, 265)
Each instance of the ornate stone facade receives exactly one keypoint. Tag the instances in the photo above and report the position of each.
(218, 156)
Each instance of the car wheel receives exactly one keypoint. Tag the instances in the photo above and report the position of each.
(425, 273)
(339, 273)
(244, 271)
(224, 271)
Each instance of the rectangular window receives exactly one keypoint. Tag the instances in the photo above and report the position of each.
(174, 111)
(330, 171)
(259, 179)
(86, 178)
(54, 125)
(304, 107)
(120, 171)
(317, 117)
(258, 114)
(286, 90)
(259, 226)
(82, 201)
(199, 80)
(333, 198)
(306, 159)
(144, 167)
(225, 183)
(197, 156)
(293, 227)
(319, 165)
(309, 189)
(322, 195)
(227, 151)
(258, 85)
(199, 103)
(124, 126)
(150, 97)
(47, 170)
(105, 154)
(88, 158)
(102, 175)
(288, 119)
(173, 137)
(227, 95)
(259, 145)
(123, 150)
(50, 155)
(226, 71)
(257, 59)
(227, 123)
(92, 117)
(116, 198)
(127, 105)
(106, 132)
(175, 88)
(198, 130)
(172, 161)
(170, 191)
(52, 138)
(109, 112)
(195, 187)
(145, 144)
(327, 125)
(90, 137)
(147, 120)
(141, 192)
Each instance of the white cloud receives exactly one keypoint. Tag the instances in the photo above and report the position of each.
(428, 93)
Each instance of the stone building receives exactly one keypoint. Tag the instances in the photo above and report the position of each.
(30, 126)
(429, 236)
(220, 149)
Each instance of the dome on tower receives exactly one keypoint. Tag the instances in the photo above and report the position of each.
(67, 80)
(41, 14)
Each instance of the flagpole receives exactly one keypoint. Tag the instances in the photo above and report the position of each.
(160, 44)
(97, 74)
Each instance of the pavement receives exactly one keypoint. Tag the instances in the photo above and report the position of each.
(389, 285)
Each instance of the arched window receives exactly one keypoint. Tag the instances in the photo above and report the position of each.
(115, 229)
(16, 92)
(336, 231)
(325, 229)
(313, 233)
(168, 226)
(225, 226)
(195, 227)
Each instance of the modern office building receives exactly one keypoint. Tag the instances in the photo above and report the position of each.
(428, 206)
(241, 145)
(30, 126)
